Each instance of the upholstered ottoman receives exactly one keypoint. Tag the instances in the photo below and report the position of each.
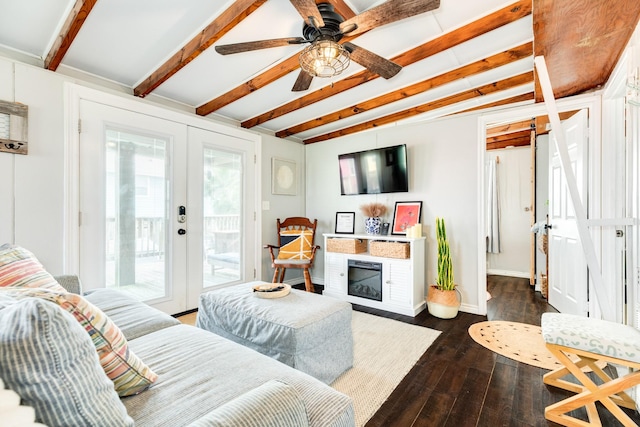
(579, 342)
(307, 331)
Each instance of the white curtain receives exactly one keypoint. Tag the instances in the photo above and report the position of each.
(493, 208)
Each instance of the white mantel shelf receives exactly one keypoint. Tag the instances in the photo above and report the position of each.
(388, 237)
(403, 280)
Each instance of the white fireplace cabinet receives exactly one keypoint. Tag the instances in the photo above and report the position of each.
(403, 283)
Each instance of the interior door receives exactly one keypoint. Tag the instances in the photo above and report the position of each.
(568, 281)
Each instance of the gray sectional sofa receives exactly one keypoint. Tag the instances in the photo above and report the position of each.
(207, 380)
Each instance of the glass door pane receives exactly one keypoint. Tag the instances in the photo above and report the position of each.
(221, 198)
(132, 179)
(136, 213)
(222, 207)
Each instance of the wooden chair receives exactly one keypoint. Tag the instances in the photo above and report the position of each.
(295, 249)
(578, 342)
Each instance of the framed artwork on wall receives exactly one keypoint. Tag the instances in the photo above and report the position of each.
(284, 177)
(405, 215)
(345, 222)
(13, 127)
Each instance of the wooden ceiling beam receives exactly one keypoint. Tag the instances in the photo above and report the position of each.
(272, 74)
(519, 80)
(511, 128)
(485, 64)
(521, 139)
(507, 101)
(542, 121)
(75, 20)
(488, 23)
(220, 26)
(509, 136)
(582, 40)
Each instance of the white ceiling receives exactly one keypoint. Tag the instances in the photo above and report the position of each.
(126, 40)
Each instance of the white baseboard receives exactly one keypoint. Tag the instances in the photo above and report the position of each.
(468, 308)
(521, 274)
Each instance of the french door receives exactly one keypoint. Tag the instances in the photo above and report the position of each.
(166, 210)
(220, 196)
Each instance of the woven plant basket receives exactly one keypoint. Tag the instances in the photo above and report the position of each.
(443, 304)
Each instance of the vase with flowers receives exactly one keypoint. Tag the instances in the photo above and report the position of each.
(373, 213)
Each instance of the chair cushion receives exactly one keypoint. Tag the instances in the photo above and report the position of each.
(128, 373)
(50, 361)
(295, 244)
(20, 268)
(592, 335)
(300, 262)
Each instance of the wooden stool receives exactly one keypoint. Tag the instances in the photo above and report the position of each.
(578, 342)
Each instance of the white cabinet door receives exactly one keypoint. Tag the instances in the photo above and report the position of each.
(335, 273)
(397, 282)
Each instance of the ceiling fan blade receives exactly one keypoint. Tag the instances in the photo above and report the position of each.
(372, 62)
(307, 8)
(302, 82)
(388, 12)
(228, 49)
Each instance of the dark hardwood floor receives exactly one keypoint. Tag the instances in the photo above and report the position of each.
(457, 382)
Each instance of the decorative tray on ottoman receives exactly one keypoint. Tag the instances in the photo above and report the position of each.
(271, 290)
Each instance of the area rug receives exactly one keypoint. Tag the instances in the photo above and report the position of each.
(385, 350)
(517, 341)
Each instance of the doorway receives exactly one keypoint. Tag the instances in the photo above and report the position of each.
(519, 162)
(510, 195)
(563, 281)
(524, 113)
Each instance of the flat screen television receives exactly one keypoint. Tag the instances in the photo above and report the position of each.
(381, 170)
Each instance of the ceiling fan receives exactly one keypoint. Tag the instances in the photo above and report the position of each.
(323, 28)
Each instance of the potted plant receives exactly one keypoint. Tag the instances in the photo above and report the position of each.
(373, 212)
(442, 298)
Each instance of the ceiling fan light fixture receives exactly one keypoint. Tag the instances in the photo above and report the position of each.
(324, 58)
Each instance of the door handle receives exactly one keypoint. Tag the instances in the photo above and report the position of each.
(548, 226)
(182, 231)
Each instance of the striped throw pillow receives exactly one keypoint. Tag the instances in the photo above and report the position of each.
(48, 359)
(296, 244)
(129, 374)
(20, 268)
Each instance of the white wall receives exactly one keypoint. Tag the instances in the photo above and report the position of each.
(280, 206)
(33, 188)
(7, 189)
(514, 189)
(443, 169)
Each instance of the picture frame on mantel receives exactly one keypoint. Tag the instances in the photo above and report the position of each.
(345, 222)
(405, 215)
(284, 177)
